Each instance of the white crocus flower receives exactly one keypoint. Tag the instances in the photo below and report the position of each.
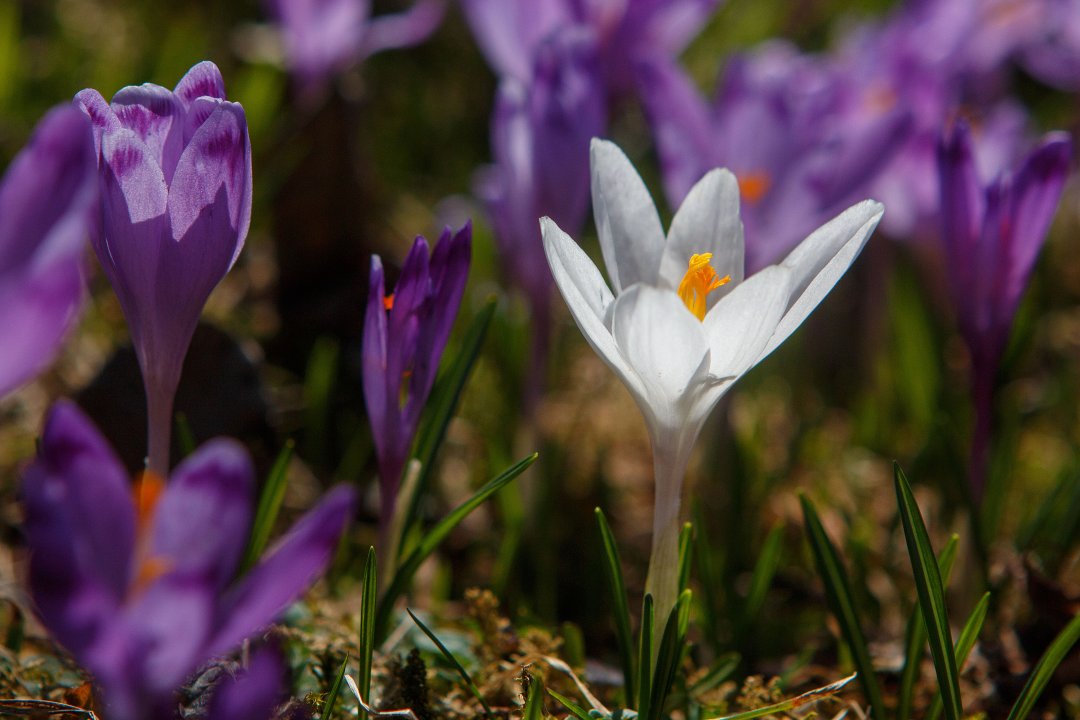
(683, 324)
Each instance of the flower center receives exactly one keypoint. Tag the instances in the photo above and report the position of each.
(700, 280)
(148, 568)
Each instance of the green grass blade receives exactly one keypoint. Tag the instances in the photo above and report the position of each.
(318, 391)
(1042, 673)
(722, 669)
(931, 595)
(786, 706)
(669, 655)
(838, 591)
(534, 703)
(368, 599)
(686, 553)
(185, 436)
(436, 535)
(266, 514)
(964, 644)
(335, 690)
(915, 637)
(619, 604)
(572, 707)
(443, 402)
(452, 660)
(645, 654)
(764, 571)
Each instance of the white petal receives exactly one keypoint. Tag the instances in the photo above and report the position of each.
(631, 238)
(707, 221)
(740, 325)
(821, 260)
(665, 345)
(587, 296)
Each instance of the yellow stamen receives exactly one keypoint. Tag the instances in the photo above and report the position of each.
(754, 185)
(700, 280)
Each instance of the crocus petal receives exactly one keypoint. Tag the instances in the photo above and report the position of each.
(291, 566)
(707, 221)
(631, 238)
(1037, 190)
(102, 117)
(740, 325)
(202, 80)
(373, 354)
(449, 271)
(202, 521)
(80, 524)
(157, 118)
(218, 157)
(508, 31)
(172, 621)
(588, 297)
(404, 29)
(254, 693)
(821, 260)
(664, 344)
(962, 207)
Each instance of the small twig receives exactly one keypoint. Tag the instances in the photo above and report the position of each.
(557, 664)
(43, 707)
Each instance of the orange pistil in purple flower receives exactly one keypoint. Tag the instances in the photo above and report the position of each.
(700, 280)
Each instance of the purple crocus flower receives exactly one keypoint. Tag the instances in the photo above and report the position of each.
(142, 590)
(540, 139)
(175, 178)
(45, 201)
(1052, 52)
(992, 236)
(627, 32)
(789, 126)
(323, 37)
(405, 333)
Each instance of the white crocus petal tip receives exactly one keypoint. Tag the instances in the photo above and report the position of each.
(706, 222)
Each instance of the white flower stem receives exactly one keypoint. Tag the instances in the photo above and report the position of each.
(671, 454)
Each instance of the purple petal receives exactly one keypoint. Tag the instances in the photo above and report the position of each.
(962, 210)
(45, 203)
(202, 80)
(80, 528)
(449, 272)
(289, 569)
(218, 156)
(1037, 190)
(253, 694)
(404, 29)
(102, 117)
(320, 36)
(156, 116)
(375, 381)
(508, 31)
(202, 521)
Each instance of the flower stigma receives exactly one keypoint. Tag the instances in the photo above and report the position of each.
(700, 280)
(753, 186)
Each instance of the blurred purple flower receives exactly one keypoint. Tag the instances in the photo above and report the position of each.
(992, 236)
(323, 37)
(1052, 53)
(793, 128)
(142, 591)
(46, 198)
(255, 693)
(405, 333)
(175, 171)
(627, 32)
(540, 139)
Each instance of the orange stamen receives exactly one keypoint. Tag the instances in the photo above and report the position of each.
(388, 302)
(700, 280)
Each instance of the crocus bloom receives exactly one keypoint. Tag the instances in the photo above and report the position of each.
(253, 694)
(46, 198)
(143, 590)
(683, 323)
(540, 139)
(795, 130)
(992, 236)
(175, 179)
(405, 333)
(322, 37)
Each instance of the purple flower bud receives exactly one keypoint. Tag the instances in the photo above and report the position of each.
(175, 178)
(140, 585)
(405, 333)
(46, 198)
(992, 236)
